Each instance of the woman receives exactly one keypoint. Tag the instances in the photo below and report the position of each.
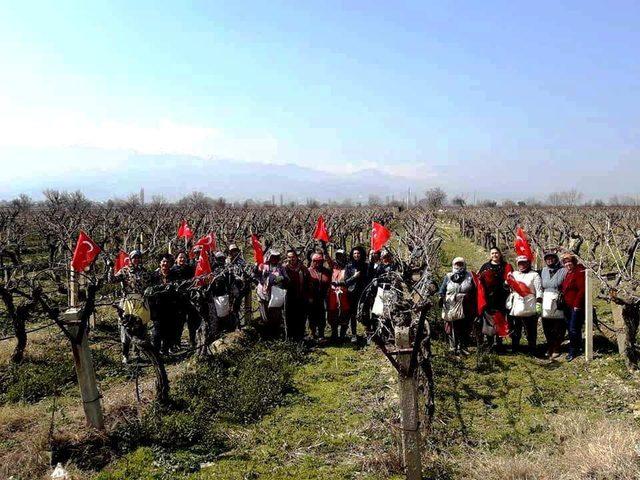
(456, 299)
(525, 304)
(163, 303)
(319, 281)
(184, 270)
(272, 283)
(297, 296)
(553, 323)
(382, 265)
(356, 278)
(573, 289)
(338, 308)
(493, 276)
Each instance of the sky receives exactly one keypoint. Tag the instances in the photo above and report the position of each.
(452, 93)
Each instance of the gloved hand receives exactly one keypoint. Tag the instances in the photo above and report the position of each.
(539, 308)
(148, 291)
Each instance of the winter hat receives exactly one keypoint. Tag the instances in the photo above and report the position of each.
(522, 258)
(458, 260)
(317, 257)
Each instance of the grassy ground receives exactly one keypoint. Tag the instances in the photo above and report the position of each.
(336, 425)
(515, 416)
(497, 417)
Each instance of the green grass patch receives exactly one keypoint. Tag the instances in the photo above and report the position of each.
(34, 379)
(327, 428)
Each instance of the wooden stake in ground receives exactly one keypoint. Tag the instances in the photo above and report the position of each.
(248, 308)
(84, 368)
(73, 288)
(408, 407)
(588, 316)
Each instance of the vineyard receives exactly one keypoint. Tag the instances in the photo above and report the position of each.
(239, 405)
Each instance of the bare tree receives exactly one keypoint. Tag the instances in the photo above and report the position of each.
(458, 201)
(567, 198)
(435, 197)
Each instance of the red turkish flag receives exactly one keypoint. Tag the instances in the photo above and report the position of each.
(480, 295)
(258, 255)
(522, 246)
(321, 233)
(517, 286)
(208, 242)
(501, 324)
(203, 267)
(85, 253)
(122, 260)
(184, 231)
(380, 235)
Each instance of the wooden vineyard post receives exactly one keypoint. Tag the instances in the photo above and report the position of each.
(588, 316)
(248, 308)
(408, 408)
(618, 324)
(84, 368)
(73, 288)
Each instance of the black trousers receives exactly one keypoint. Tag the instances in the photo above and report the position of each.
(554, 331)
(530, 325)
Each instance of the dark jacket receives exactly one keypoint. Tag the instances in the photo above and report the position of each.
(183, 272)
(493, 276)
(356, 283)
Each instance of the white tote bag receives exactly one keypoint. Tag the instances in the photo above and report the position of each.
(222, 305)
(378, 303)
(277, 297)
(550, 305)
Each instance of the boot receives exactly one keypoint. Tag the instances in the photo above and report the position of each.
(334, 333)
(343, 332)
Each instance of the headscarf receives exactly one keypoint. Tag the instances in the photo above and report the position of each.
(458, 274)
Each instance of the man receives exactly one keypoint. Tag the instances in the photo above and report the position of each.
(526, 309)
(297, 298)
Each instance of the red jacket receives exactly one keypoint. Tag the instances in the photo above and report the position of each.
(573, 287)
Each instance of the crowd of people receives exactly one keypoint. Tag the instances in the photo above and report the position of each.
(499, 302)
(308, 294)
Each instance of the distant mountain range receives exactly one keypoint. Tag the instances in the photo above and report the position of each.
(103, 174)
(175, 176)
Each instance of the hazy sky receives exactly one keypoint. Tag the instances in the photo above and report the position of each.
(419, 88)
